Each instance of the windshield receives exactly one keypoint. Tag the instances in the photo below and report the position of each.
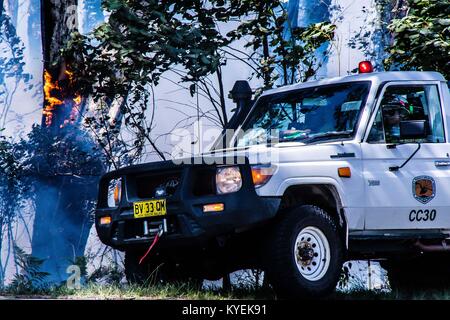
(305, 115)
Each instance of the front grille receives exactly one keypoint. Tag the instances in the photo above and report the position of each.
(157, 185)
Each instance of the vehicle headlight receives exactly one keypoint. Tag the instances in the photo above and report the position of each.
(228, 179)
(114, 192)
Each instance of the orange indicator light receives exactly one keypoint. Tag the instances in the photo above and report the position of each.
(344, 172)
(105, 220)
(213, 207)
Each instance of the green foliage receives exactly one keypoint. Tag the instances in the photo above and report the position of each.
(12, 189)
(422, 38)
(121, 61)
(110, 274)
(143, 39)
(290, 49)
(30, 278)
(44, 155)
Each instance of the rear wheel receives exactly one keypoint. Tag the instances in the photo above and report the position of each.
(305, 255)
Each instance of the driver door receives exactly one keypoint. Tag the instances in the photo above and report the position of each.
(416, 196)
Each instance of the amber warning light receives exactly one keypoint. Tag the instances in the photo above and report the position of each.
(213, 207)
(105, 220)
(344, 172)
(365, 67)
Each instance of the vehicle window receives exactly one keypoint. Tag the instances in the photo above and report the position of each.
(308, 114)
(402, 103)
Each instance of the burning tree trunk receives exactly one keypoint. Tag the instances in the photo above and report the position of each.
(67, 169)
(59, 20)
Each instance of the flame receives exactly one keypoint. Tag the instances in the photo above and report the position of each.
(77, 99)
(51, 87)
(69, 74)
(51, 101)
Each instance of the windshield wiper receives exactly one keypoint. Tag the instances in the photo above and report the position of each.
(330, 134)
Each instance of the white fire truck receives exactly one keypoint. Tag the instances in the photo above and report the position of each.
(359, 167)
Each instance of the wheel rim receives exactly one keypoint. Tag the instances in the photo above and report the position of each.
(312, 253)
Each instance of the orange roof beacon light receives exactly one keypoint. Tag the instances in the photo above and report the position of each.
(365, 67)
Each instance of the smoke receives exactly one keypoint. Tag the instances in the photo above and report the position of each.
(63, 171)
(61, 227)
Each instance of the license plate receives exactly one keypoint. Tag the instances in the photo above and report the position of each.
(150, 208)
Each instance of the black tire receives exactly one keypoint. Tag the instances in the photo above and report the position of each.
(154, 271)
(281, 262)
(418, 273)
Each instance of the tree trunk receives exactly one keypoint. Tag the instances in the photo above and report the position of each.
(62, 221)
(266, 54)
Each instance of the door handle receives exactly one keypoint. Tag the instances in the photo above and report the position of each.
(442, 163)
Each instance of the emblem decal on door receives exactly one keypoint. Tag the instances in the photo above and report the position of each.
(424, 189)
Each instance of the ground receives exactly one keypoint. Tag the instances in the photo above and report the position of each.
(183, 292)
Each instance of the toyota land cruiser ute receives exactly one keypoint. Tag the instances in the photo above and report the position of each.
(314, 175)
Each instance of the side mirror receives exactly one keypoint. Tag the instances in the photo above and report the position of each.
(413, 129)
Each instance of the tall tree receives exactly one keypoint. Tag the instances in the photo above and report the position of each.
(63, 163)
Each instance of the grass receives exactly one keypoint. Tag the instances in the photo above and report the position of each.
(185, 292)
(123, 291)
(157, 292)
(131, 292)
(418, 294)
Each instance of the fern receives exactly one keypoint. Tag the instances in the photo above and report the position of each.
(30, 279)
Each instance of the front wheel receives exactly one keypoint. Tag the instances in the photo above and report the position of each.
(305, 254)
